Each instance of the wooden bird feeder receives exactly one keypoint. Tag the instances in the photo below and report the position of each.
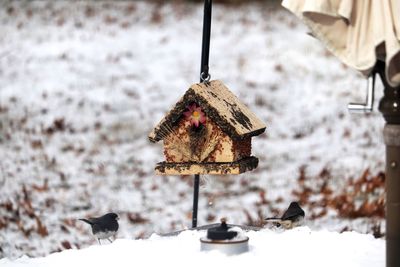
(208, 131)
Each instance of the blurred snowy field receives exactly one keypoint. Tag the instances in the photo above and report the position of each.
(83, 83)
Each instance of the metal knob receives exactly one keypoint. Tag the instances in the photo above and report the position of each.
(369, 102)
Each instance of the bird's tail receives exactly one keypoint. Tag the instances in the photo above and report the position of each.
(86, 221)
(273, 219)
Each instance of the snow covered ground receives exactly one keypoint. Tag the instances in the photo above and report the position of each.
(83, 83)
(298, 247)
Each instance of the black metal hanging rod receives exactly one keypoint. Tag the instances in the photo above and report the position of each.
(205, 49)
(204, 77)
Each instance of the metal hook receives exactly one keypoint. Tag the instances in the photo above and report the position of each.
(369, 105)
(205, 79)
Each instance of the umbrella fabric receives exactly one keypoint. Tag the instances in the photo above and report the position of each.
(358, 32)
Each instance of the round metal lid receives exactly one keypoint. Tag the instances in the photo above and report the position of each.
(221, 232)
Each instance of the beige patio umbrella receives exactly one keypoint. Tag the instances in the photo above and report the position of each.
(365, 35)
(358, 32)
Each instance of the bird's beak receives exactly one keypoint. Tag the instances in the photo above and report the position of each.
(117, 218)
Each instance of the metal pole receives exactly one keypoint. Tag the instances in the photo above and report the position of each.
(204, 76)
(389, 106)
(195, 199)
(205, 47)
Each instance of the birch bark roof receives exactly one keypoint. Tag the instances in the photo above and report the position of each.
(220, 105)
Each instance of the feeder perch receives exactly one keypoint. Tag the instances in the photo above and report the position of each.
(208, 131)
(224, 239)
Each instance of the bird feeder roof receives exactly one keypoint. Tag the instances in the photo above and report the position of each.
(220, 105)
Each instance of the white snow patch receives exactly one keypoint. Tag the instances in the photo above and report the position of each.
(297, 247)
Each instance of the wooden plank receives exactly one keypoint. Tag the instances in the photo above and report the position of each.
(216, 147)
(187, 168)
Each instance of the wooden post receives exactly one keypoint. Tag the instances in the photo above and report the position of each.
(389, 106)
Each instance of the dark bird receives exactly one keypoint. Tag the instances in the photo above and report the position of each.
(293, 216)
(103, 227)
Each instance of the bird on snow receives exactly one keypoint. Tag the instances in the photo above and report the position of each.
(292, 217)
(103, 227)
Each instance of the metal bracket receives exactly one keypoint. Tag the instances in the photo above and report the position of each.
(369, 105)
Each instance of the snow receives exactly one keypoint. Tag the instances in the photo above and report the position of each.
(83, 83)
(296, 247)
